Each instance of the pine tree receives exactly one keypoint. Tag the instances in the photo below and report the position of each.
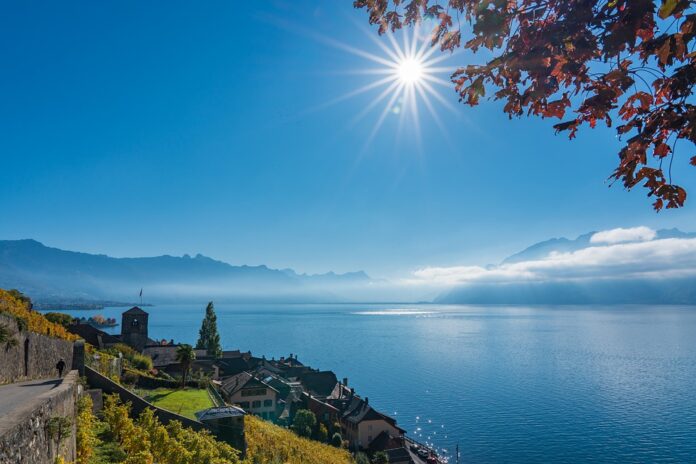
(208, 336)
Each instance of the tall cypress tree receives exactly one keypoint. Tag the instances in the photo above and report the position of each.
(208, 336)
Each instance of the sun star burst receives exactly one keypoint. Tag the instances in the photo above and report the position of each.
(406, 77)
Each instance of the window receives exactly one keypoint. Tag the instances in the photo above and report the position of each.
(369, 438)
(271, 415)
(254, 392)
(369, 427)
(263, 415)
(256, 404)
(268, 403)
(244, 405)
(134, 323)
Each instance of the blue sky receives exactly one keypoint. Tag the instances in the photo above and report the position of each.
(133, 129)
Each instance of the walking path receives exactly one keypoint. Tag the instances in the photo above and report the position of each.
(19, 398)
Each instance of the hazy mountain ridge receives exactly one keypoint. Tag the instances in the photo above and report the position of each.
(50, 273)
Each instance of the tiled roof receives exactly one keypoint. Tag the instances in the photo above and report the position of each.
(92, 335)
(233, 366)
(219, 413)
(135, 310)
(399, 456)
(162, 355)
(385, 441)
(293, 372)
(232, 385)
(359, 410)
(319, 384)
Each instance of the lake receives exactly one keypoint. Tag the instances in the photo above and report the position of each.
(508, 383)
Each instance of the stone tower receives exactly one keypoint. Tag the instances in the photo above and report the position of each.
(134, 328)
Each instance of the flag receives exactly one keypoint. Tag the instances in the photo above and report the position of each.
(141, 293)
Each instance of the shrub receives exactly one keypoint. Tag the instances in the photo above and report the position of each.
(304, 422)
(147, 440)
(141, 362)
(59, 318)
(129, 377)
(322, 433)
(59, 429)
(22, 324)
(134, 359)
(17, 305)
(337, 440)
(6, 336)
(86, 433)
(268, 443)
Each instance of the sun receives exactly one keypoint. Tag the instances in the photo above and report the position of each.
(410, 71)
(406, 76)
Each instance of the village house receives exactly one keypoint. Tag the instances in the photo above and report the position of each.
(251, 394)
(324, 412)
(362, 423)
(273, 390)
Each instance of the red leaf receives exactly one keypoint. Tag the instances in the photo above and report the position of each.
(662, 150)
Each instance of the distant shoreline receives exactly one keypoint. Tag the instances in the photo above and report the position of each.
(83, 305)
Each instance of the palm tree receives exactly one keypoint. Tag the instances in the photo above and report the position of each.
(185, 355)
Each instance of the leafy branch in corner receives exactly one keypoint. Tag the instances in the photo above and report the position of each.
(599, 60)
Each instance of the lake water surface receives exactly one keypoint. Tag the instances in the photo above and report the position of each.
(508, 383)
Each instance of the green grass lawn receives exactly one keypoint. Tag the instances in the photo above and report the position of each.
(185, 402)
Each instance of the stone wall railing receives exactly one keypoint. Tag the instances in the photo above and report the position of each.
(31, 355)
(25, 435)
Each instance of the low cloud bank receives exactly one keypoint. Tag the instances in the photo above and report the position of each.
(620, 235)
(613, 254)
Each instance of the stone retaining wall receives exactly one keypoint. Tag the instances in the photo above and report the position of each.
(34, 356)
(97, 380)
(28, 441)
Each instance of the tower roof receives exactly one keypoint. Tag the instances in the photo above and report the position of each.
(136, 311)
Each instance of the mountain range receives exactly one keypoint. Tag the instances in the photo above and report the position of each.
(636, 265)
(51, 274)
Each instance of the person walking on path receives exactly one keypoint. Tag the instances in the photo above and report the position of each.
(60, 366)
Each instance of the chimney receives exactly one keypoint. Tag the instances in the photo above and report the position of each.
(367, 400)
(345, 381)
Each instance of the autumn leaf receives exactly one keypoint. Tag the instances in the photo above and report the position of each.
(542, 60)
(662, 150)
(667, 8)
